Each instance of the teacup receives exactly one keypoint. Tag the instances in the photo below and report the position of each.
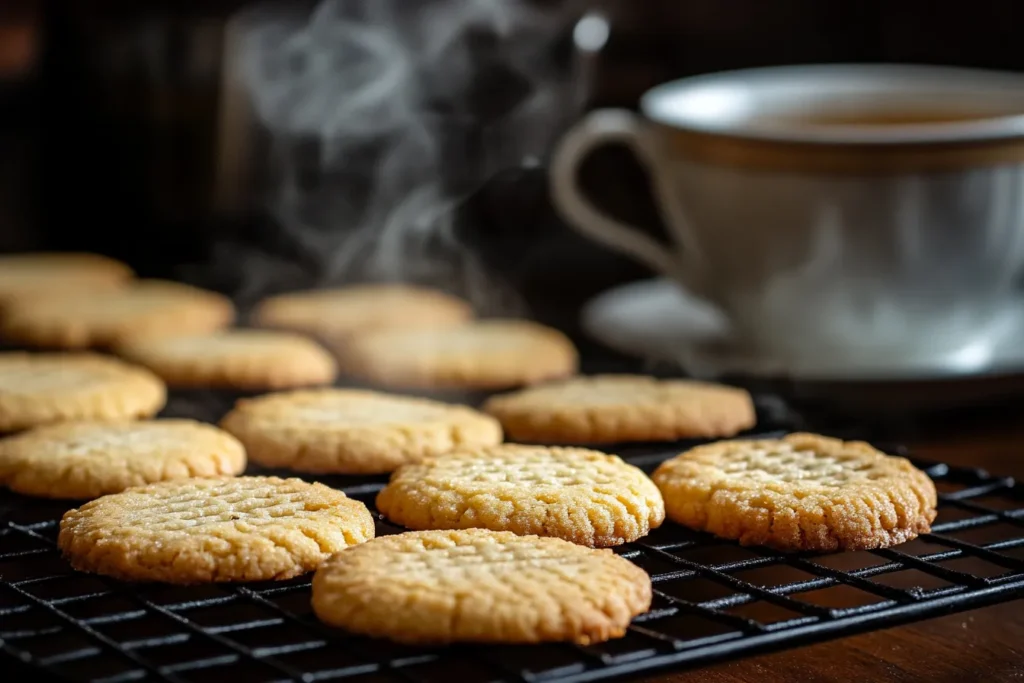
(848, 209)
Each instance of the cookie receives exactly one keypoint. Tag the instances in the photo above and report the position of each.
(436, 587)
(351, 431)
(235, 359)
(38, 389)
(23, 276)
(489, 354)
(145, 310)
(802, 492)
(82, 460)
(212, 530)
(336, 313)
(619, 408)
(578, 495)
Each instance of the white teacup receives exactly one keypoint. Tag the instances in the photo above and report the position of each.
(828, 209)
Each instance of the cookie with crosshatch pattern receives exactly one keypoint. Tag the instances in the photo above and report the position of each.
(213, 530)
(801, 492)
(80, 460)
(353, 431)
(43, 388)
(619, 408)
(474, 585)
(579, 495)
(235, 359)
(143, 309)
(25, 276)
(484, 354)
(337, 312)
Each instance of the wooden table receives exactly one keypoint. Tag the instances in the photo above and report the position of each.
(985, 645)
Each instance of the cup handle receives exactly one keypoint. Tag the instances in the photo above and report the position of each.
(598, 128)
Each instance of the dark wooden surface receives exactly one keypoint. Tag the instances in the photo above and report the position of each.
(981, 645)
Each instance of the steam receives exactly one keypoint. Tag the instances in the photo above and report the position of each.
(382, 115)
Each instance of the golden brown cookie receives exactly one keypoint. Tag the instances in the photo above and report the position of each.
(211, 530)
(336, 313)
(579, 495)
(802, 492)
(489, 354)
(147, 309)
(82, 460)
(38, 389)
(351, 431)
(24, 276)
(618, 408)
(235, 359)
(434, 587)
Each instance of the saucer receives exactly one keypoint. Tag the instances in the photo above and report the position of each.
(657, 320)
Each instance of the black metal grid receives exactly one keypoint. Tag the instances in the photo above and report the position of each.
(713, 600)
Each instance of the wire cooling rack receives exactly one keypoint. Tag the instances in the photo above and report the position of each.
(712, 600)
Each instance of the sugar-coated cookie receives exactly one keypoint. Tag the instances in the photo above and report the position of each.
(433, 587)
(801, 492)
(212, 530)
(349, 431)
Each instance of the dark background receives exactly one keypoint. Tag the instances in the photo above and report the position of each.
(122, 162)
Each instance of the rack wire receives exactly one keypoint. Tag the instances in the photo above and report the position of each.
(712, 600)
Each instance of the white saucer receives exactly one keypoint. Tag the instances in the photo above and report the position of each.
(657, 320)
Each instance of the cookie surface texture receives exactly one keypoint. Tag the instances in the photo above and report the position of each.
(23, 276)
(489, 354)
(351, 431)
(236, 359)
(334, 313)
(619, 408)
(801, 492)
(146, 309)
(480, 586)
(213, 530)
(38, 389)
(579, 495)
(80, 460)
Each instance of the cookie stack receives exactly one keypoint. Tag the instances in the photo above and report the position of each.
(505, 542)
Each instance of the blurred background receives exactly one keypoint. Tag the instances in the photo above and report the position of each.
(256, 147)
